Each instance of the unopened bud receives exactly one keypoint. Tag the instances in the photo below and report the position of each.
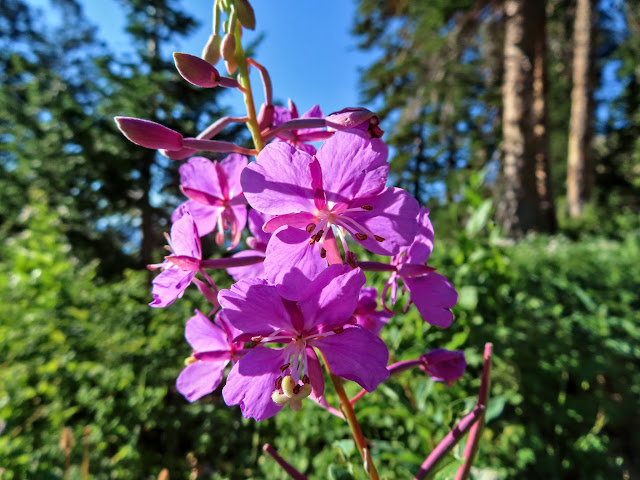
(149, 134)
(211, 51)
(265, 116)
(245, 13)
(196, 71)
(228, 52)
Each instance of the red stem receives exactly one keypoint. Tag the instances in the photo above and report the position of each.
(287, 467)
(473, 441)
(449, 442)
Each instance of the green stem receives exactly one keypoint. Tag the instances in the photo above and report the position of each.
(350, 415)
(243, 79)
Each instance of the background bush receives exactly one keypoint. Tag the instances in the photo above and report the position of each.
(563, 317)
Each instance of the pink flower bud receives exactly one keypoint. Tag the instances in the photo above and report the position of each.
(265, 116)
(211, 51)
(196, 71)
(444, 365)
(359, 118)
(228, 51)
(149, 134)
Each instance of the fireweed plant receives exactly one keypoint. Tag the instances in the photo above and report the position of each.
(300, 301)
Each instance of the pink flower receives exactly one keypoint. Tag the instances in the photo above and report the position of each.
(444, 365)
(343, 186)
(266, 379)
(213, 350)
(431, 292)
(179, 268)
(366, 314)
(215, 194)
(296, 137)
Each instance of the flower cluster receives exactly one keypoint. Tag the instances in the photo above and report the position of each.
(300, 298)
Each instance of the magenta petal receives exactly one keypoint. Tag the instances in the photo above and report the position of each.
(254, 307)
(204, 216)
(356, 354)
(233, 165)
(299, 220)
(332, 297)
(279, 182)
(252, 381)
(199, 173)
(184, 237)
(249, 271)
(421, 247)
(433, 296)
(170, 285)
(256, 221)
(203, 335)
(392, 218)
(200, 378)
(316, 373)
(352, 166)
(292, 262)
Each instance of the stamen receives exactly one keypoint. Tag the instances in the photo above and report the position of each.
(367, 207)
(351, 259)
(257, 338)
(305, 379)
(338, 330)
(284, 367)
(278, 383)
(311, 227)
(378, 238)
(323, 253)
(296, 389)
(360, 236)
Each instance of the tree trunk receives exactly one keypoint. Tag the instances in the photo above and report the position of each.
(579, 173)
(540, 121)
(525, 138)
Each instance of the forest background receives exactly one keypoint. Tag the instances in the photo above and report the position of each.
(517, 122)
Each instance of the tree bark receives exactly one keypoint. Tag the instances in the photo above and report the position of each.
(579, 172)
(527, 197)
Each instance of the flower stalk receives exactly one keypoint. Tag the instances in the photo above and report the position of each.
(350, 415)
(245, 82)
(286, 466)
(471, 448)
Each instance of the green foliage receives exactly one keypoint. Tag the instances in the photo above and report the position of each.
(80, 353)
(562, 315)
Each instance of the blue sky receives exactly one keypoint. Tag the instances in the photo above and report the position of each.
(307, 47)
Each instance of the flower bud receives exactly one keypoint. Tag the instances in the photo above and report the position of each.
(444, 365)
(149, 134)
(245, 14)
(359, 118)
(196, 71)
(265, 116)
(228, 52)
(211, 51)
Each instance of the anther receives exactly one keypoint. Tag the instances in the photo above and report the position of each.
(257, 338)
(296, 389)
(284, 367)
(378, 238)
(367, 207)
(319, 235)
(351, 259)
(338, 330)
(361, 236)
(323, 253)
(278, 383)
(311, 227)
(305, 379)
